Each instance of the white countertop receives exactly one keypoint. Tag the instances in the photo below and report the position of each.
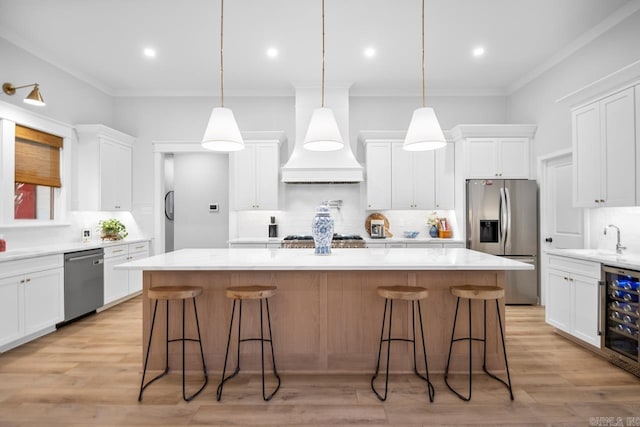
(624, 260)
(340, 259)
(58, 248)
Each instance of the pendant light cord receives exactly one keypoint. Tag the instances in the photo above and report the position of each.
(424, 103)
(221, 56)
(322, 97)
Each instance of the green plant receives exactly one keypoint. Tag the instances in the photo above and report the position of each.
(112, 229)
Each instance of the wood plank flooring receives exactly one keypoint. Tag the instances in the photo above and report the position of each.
(88, 373)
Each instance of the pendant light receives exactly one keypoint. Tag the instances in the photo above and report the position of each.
(222, 133)
(323, 133)
(424, 131)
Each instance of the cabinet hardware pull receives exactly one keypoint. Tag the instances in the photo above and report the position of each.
(22, 281)
(28, 280)
(601, 201)
(139, 247)
(117, 250)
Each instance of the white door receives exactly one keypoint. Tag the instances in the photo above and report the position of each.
(244, 169)
(402, 182)
(588, 156)
(378, 180)
(11, 309)
(42, 300)
(514, 158)
(116, 282)
(562, 223)
(267, 166)
(558, 310)
(424, 184)
(445, 177)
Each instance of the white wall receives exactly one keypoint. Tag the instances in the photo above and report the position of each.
(199, 179)
(535, 103)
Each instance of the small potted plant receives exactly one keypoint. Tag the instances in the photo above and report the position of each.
(112, 229)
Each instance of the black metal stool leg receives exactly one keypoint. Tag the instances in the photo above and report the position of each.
(375, 375)
(226, 356)
(204, 367)
(446, 371)
(388, 340)
(146, 359)
(273, 358)
(504, 351)
(430, 388)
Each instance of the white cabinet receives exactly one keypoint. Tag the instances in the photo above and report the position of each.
(497, 157)
(412, 178)
(254, 176)
(104, 168)
(415, 244)
(31, 298)
(604, 147)
(572, 302)
(119, 284)
(399, 179)
(378, 175)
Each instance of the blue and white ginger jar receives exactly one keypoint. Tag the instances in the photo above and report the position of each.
(322, 230)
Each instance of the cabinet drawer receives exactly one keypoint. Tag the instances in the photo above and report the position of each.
(30, 265)
(111, 251)
(577, 266)
(138, 247)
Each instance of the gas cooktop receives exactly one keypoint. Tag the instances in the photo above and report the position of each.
(335, 237)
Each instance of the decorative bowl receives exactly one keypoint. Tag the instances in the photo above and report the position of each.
(411, 234)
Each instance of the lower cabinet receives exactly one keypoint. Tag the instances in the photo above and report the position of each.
(573, 297)
(122, 283)
(31, 298)
(415, 244)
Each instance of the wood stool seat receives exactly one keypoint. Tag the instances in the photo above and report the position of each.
(408, 293)
(477, 292)
(251, 292)
(174, 292)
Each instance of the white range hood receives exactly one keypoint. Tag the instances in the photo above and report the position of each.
(316, 167)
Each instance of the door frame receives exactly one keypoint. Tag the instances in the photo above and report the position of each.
(543, 168)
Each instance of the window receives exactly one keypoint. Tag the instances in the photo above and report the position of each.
(37, 173)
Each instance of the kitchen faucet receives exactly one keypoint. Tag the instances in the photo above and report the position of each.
(619, 246)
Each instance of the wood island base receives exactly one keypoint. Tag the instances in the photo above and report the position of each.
(323, 321)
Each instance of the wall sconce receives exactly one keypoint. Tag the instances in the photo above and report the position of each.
(34, 97)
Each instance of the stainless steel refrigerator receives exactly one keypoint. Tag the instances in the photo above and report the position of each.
(502, 220)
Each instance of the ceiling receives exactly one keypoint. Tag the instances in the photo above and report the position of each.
(101, 42)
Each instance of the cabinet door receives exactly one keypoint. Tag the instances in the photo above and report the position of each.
(618, 137)
(244, 177)
(423, 182)
(267, 167)
(558, 307)
(585, 309)
(431, 245)
(395, 245)
(482, 158)
(42, 300)
(513, 158)
(11, 308)
(402, 181)
(378, 182)
(116, 282)
(587, 156)
(637, 94)
(115, 176)
(445, 177)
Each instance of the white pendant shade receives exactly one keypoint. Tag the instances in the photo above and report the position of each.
(424, 131)
(323, 133)
(222, 132)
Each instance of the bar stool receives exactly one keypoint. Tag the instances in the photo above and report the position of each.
(484, 293)
(407, 293)
(240, 293)
(174, 293)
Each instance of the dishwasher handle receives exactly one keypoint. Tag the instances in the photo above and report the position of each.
(78, 258)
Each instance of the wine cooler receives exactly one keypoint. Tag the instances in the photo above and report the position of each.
(620, 317)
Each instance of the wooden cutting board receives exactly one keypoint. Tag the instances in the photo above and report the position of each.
(377, 216)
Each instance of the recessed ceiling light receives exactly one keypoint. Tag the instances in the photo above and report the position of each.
(149, 52)
(479, 51)
(272, 52)
(369, 52)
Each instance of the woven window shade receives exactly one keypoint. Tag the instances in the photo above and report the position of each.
(37, 157)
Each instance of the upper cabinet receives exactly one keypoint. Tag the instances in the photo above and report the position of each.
(400, 179)
(495, 151)
(604, 147)
(254, 175)
(104, 168)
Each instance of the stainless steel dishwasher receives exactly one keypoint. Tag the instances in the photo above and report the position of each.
(83, 282)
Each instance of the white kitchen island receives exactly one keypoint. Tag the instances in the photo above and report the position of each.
(326, 316)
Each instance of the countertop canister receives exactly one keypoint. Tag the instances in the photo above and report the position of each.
(322, 230)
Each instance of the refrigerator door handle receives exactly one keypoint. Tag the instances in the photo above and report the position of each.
(507, 227)
(503, 222)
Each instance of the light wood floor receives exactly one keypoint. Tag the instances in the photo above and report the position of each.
(88, 373)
